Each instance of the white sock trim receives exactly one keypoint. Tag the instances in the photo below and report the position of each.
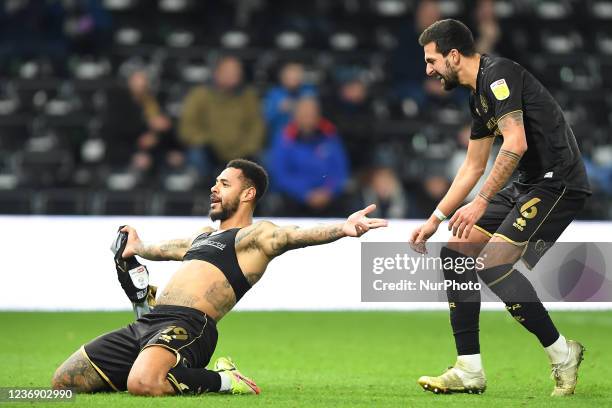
(226, 381)
(470, 362)
(558, 352)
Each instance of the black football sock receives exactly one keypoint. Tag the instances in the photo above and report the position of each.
(464, 305)
(187, 380)
(521, 300)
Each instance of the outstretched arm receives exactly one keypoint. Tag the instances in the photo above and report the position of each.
(172, 250)
(277, 240)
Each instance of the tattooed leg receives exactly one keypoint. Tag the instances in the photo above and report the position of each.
(78, 374)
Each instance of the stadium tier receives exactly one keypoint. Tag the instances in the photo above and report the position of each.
(70, 143)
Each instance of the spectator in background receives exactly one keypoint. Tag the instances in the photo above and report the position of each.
(351, 109)
(382, 186)
(408, 67)
(223, 121)
(433, 187)
(88, 25)
(33, 29)
(487, 27)
(352, 98)
(137, 131)
(308, 165)
(279, 102)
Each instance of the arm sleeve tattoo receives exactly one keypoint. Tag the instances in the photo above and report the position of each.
(506, 161)
(164, 251)
(288, 238)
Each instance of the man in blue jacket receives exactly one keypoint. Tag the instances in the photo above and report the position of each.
(279, 102)
(308, 164)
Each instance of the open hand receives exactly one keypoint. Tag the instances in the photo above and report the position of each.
(358, 223)
(420, 235)
(464, 218)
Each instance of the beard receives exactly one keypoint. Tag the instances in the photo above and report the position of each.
(451, 79)
(226, 211)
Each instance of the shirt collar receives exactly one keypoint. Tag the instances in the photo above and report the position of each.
(480, 73)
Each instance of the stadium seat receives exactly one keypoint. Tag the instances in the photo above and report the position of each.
(235, 39)
(552, 10)
(290, 40)
(14, 131)
(451, 8)
(176, 6)
(603, 40)
(505, 9)
(564, 72)
(63, 201)
(119, 203)
(179, 37)
(90, 68)
(16, 202)
(391, 8)
(601, 9)
(35, 69)
(605, 70)
(9, 99)
(121, 5)
(561, 41)
(343, 41)
(176, 203)
(128, 36)
(44, 167)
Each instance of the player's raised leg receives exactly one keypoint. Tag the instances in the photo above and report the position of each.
(78, 374)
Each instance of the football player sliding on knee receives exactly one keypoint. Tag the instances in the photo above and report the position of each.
(165, 351)
(497, 225)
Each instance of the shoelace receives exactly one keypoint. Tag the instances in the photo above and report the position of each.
(555, 374)
(556, 369)
(448, 371)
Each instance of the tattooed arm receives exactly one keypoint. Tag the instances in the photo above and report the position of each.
(274, 240)
(172, 250)
(513, 148)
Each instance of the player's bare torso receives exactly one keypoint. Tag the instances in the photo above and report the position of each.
(201, 285)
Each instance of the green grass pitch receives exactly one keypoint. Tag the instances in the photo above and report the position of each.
(331, 359)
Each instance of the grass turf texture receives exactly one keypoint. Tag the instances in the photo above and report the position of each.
(368, 359)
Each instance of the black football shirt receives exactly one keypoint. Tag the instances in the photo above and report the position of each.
(552, 156)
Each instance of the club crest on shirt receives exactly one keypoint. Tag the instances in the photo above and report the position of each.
(500, 89)
(483, 102)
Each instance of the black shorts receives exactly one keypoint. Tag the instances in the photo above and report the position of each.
(187, 332)
(531, 215)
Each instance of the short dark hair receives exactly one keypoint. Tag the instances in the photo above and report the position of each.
(253, 174)
(447, 35)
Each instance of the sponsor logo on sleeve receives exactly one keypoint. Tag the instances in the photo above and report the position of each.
(500, 89)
